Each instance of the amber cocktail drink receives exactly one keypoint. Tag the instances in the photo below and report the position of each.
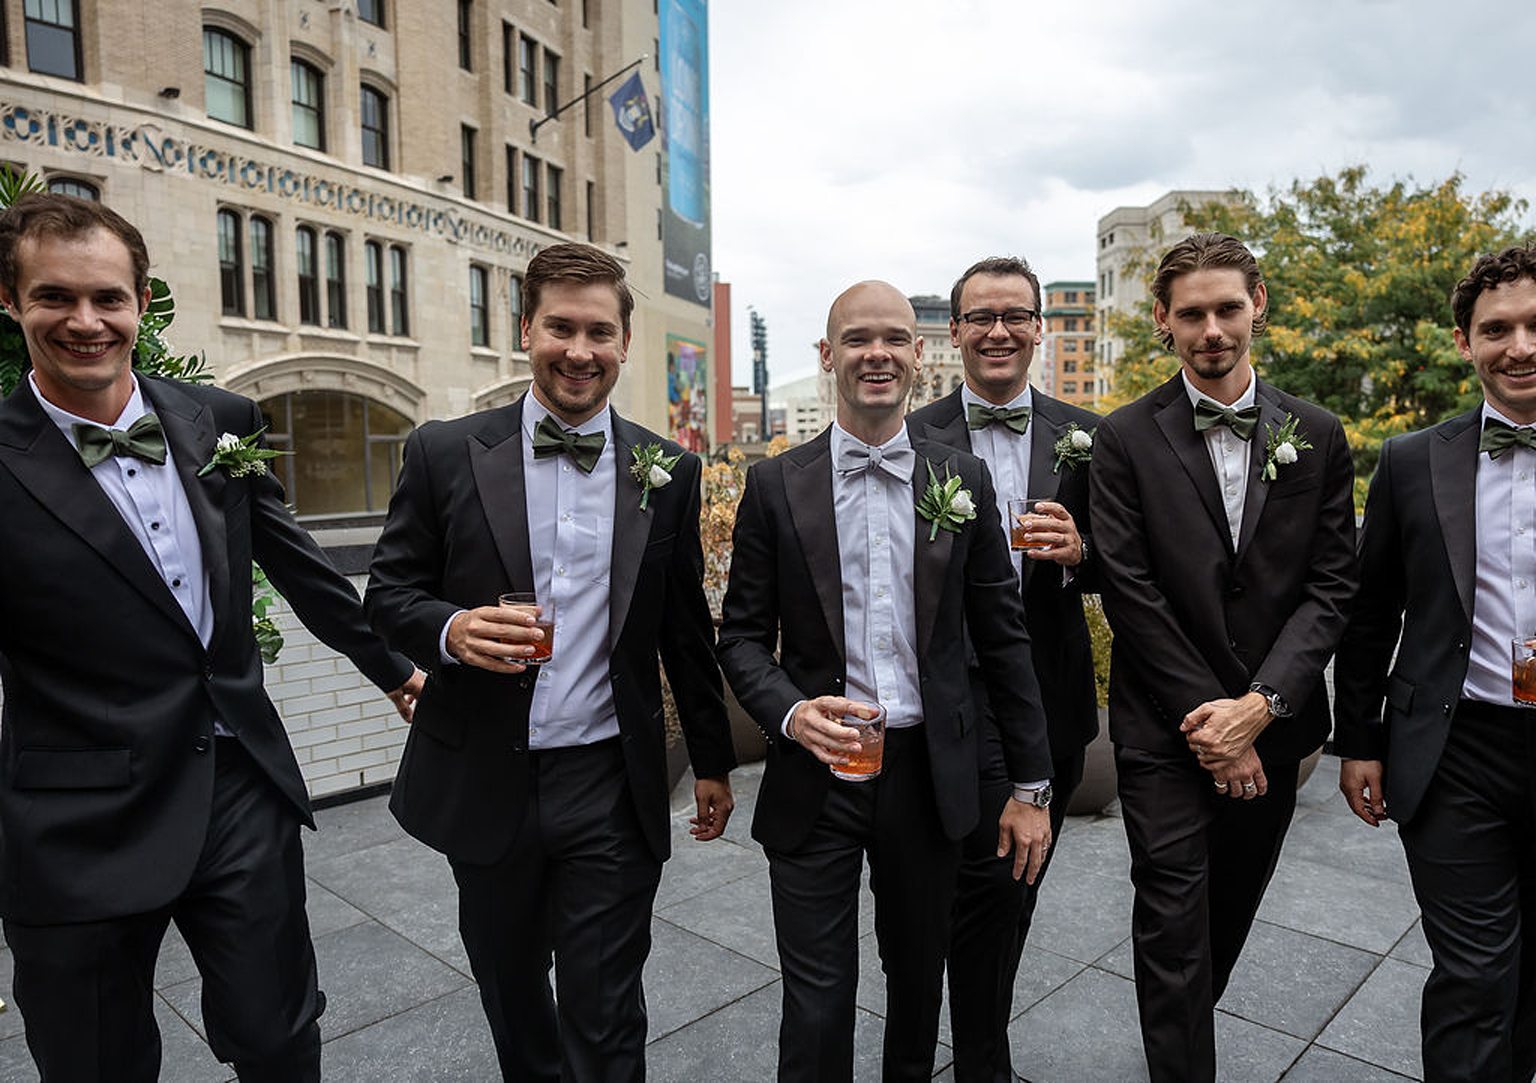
(1524, 671)
(544, 620)
(864, 764)
(1019, 514)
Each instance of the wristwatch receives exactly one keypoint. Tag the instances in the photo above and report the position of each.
(1039, 796)
(1277, 705)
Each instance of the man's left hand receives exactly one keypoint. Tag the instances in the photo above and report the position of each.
(1053, 526)
(1025, 831)
(1221, 730)
(404, 697)
(715, 804)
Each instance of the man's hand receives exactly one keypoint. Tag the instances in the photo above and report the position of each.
(1025, 831)
(404, 697)
(1052, 525)
(1241, 779)
(817, 727)
(1360, 781)
(493, 637)
(715, 804)
(1223, 729)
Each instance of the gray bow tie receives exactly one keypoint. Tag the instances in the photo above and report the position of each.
(856, 458)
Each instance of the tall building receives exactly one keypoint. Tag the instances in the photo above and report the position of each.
(942, 370)
(1128, 236)
(1064, 364)
(808, 405)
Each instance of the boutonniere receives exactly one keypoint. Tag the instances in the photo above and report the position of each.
(1283, 446)
(652, 469)
(1074, 448)
(944, 504)
(239, 456)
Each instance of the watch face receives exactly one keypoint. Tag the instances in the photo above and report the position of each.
(1043, 796)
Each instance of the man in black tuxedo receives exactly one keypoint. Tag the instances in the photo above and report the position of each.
(844, 595)
(1223, 516)
(1446, 571)
(547, 788)
(144, 775)
(995, 322)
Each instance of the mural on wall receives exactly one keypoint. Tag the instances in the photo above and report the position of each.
(687, 390)
(685, 140)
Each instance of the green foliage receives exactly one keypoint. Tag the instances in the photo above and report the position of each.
(1359, 279)
(1099, 638)
(269, 640)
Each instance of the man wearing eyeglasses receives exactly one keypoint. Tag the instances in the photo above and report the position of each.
(995, 323)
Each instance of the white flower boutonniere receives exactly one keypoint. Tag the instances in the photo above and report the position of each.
(652, 469)
(944, 504)
(240, 456)
(1283, 446)
(1074, 448)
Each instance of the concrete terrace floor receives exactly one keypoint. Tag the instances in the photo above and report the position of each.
(1327, 989)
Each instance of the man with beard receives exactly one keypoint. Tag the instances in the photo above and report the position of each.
(1222, 509)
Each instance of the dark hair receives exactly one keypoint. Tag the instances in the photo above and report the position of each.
(994, 265)
(1207, 252)
(571, 262)
(1489, 272)
(49, 214)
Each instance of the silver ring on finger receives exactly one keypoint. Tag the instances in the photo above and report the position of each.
(1250, 787)
(1222, 787)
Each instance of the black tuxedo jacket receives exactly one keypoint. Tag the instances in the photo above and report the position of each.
(1053, 611)
(1194, 619)
(781, 639)
(106, 770)
(457, 538)
(1418, 571)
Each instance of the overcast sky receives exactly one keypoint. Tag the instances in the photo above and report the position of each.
(904, 139)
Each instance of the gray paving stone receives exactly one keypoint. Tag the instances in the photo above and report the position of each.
(1413, 948)
(432, 925)
(1380, 1024)
(16, 1061)
(1336, 904)
(1249, 1053)
(696, 867)
(737, 915)
(184, 1056)
(1322, 788)
(386, 878)
(10, 1019)
(1350, 845)
(1093, 844)
(687, 977)
(174, 964)
(1292, 982)
(1119, 959)
(444, 1040)
(1081, 915)
(345, 829)
(1086, 1030)
(329, 911)
(1319, 1065)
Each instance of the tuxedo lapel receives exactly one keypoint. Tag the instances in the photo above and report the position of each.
(951, 429)
(44, 462)
(1045, 428)
(631, 526)
(931, 559)
(496, 459)
(1177, 420)
(808, 489)
(1271, 418)
(1453, 485)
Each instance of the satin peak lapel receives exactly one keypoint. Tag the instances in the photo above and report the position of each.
(1271, 418)
(631, 526)
(496, 458)
(931, 559)
(1177, 420)
(1453, 484)
(808, 491)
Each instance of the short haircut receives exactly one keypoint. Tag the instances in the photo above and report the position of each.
(1489, 272)
(580, 263)
(49, 214)
(1207, 252)
(994, 265)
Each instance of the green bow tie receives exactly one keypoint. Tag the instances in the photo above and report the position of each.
(1016, 418)
(550, 439)
(1499, 438)
(1241, 422)
(144, 439)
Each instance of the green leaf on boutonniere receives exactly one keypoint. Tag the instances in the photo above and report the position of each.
(944, 504)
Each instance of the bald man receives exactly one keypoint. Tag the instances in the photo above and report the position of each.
(850, 591)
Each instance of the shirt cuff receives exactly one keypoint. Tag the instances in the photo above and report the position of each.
(1017, 786)
(784, 725)
(442, 641)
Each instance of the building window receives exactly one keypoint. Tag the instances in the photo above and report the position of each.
(309, 275)
(551, 82)
(1069, 297)
(346, 451)
(373, 269)
(591, 211)
(479, 314)
(508, 47)
(1069, 366)
(399, 313)
(335, 280)
(308, 105)
(375, 117)
(263, 285)
(69, 186)
(1071, 324)
(515, 309)
(511, 179)
(53, 42)
(231, 265)
(556, 182)
(527, 60)
(584, 15)
(1069, 387)
(586, 106)
(532, 168)
(1070, 345)
(227, 77)
(371, 11)
(467, 159)
(465, 12)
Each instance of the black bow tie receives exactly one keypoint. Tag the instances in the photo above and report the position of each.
(1241, 422)
(144, 439)
(550, 439)
(1498, 438)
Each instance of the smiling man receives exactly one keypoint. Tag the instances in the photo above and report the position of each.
(546, 787)
(853, 584)
(1428, 725)
(1222, 510)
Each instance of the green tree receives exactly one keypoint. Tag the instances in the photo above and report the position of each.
(1359, 279)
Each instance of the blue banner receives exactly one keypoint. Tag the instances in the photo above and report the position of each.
(685, 142)
(632, 112)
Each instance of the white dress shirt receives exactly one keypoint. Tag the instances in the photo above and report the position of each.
(1229, 455)
(1007, 455)
(1504, 599)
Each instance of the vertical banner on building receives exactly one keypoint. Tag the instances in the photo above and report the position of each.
(685, 142)
(687, 391)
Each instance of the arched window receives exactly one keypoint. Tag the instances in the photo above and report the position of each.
(227, 77)
(69, 186)
(346, 451)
